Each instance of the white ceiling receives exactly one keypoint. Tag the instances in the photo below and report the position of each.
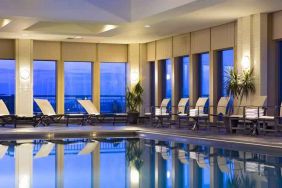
(120, 21)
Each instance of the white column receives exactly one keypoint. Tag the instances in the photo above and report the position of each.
(95, 169)
(23, 165)
(252, 44)
(59, 166)
(24, 77)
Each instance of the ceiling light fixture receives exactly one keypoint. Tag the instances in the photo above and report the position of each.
(147, 26)
(5, 22)
(108, 27)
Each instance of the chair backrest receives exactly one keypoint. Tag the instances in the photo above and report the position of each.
(260, 101)
(164, 103)
(88, 106)
(45, 107)
(182, 105)
(222, 105)
(201, 103)
(3, 108)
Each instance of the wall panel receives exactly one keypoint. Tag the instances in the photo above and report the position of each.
(7, 47)
(223, 36)
(112, 52)
(151, 51)
(200, 41)
(164, 48)
(277, 27)
(72, 51)
(181, 45)
(46, 50)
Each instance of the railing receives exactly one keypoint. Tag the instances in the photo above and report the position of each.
(108, 103)
(75, 148)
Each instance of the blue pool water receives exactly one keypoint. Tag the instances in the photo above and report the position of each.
(74, 163)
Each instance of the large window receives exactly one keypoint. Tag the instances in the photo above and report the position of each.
(44, 82)
(226, 58)
(185, 68)
(204, 74)
(7, 83)
(113, 87)
(78, 85)
(167, 79)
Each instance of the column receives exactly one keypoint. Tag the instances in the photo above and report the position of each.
(158, 82)
(194, 79)
(24, 161)
(59, 166)
(175, 86)
(24, 77)
(160, 171)
(177, 169)
(195, 173)
(252, 49)
(215, 174)
(147, 171)
(95, 170)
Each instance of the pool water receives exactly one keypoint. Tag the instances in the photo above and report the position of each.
(144, 163)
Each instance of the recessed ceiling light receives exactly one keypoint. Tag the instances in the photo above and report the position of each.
(147, 26)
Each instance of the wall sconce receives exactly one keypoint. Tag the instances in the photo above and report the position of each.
(24, 74)
(167, 76)
(246, 63)
(134, 77)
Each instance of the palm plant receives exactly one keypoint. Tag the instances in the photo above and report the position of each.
(134, 97)
(233, 83)
(240, 85)
(247, 83)
(134, 153)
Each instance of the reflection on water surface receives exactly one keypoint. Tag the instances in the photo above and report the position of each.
(119, 163)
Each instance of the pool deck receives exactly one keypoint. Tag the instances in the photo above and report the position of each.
(262, 143)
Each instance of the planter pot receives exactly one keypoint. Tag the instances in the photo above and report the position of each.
(132, 117)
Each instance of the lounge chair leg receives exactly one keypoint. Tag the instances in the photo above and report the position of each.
(195, 126)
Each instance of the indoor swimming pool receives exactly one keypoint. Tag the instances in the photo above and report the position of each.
(132, 162)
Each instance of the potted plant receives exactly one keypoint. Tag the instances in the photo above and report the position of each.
(240, 85)
(133, 102)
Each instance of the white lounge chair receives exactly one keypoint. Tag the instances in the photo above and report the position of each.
(269, 121)
(5, 115)
(199, 112)
(222, 112)
(251, 115)
(50, 116)
(159, 113)
(182, 110)
(183, 156)
(90, 108)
